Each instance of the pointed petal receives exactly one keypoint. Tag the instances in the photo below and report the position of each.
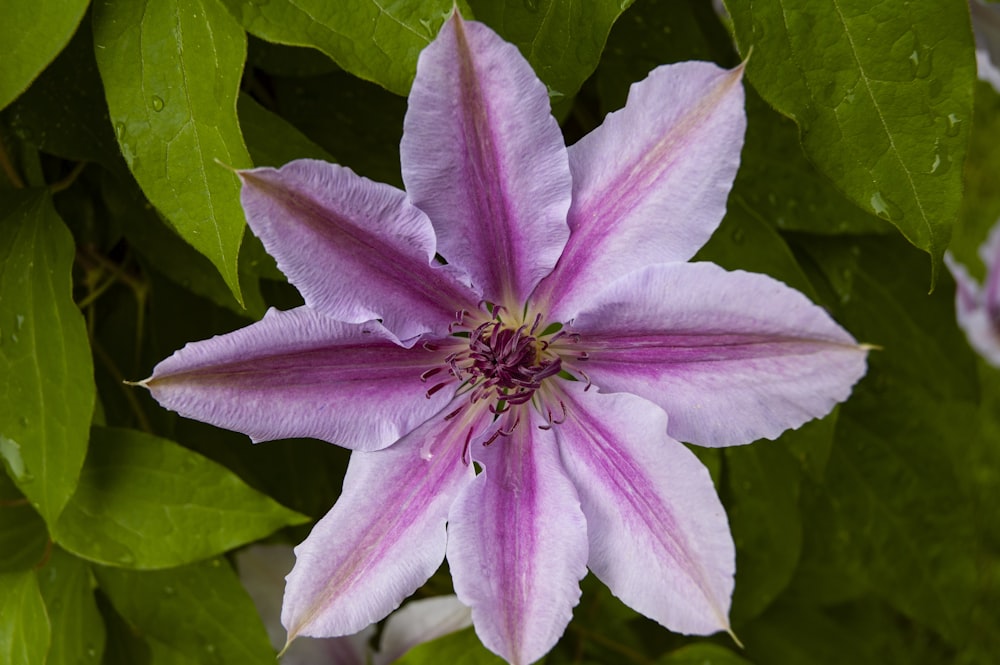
(384, 537)
(484, 158)
(517, 544)
(356, 249)
(731, 356)
(298, 374)
(658, 534)
(420, 621)
(650, 184)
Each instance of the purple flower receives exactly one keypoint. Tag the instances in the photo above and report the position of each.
(562, 350)
(978, 307)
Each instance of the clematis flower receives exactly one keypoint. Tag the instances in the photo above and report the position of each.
(978, 307)
(517, 407)
(262, 570)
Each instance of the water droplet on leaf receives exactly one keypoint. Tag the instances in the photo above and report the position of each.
(531, 5)
(169, 591)
(954, 125)
(885, 208)
(120, 130)
(157, 103)
(920, 61)
(738, 236)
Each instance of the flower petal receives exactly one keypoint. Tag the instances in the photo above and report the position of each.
(420, 621)
(973, 313)
(517, 544)
(356, 249)
(299, 373)
(650, 184)
(659, 537)
(484, 158)
(384, 537)
(731, 356)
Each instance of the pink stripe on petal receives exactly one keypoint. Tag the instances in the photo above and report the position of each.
(356, 249)
(731, 356)
(517, 543)
(650, 184)
(299, 373)
(484, 158)
(386, 534)
(659, 537)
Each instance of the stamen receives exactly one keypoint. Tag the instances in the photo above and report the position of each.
(429, 373)
(436, 388)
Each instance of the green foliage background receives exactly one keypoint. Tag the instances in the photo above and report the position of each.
(872, 536)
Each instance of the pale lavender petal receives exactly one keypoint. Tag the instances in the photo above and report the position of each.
(356, 249)
(301, 374)
(517, 544)
(650, 184)
(484, 158)
(262, 572)
(972, 310)
(658, 534)
(731, 356)
(386, 534)
(420, 621)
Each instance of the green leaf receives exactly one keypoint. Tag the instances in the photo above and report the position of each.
(196, 614)
(145, 502)
(64, 112)
(47, 391)
(562, 39)
(794, 635)
(24, 626)
(23, 536)
(899, 515)
(77, 627)
(33, 33)
(763, 498)
(777, 183)
(171, 72)
(460, 648)
(702, 654)
(882, 95)
(373, 40)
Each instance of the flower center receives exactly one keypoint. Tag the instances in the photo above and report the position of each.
(504, 364)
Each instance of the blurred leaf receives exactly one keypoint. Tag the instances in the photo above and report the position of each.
(196, 614)
(77, 627)
(171, 72)
(702, 654)
(375, 41)
(882, 95)
(744, 241)
(358, 123)
(793, 635)
(897, 506)
(272, 141)
(981, 205)
(562, 39)
(460, 648)
(23, 536)
(33, 33)
(656, 32)
(47, 397)
(64, 113)
(161, 247)
(145, 502)
(24, 627)
(280, 60)
(763, 508)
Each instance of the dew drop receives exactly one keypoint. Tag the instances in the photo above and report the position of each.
(169, 591)
(10, 450)
(920, 62)
(91, 651)
(942, 160)
(885, 208)
(738, 236)
(126, 559)
(19, 321)
(216, 563)
(120, 130)
(531, 5)
(954, 125)
(157, 103)
(23, 421)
